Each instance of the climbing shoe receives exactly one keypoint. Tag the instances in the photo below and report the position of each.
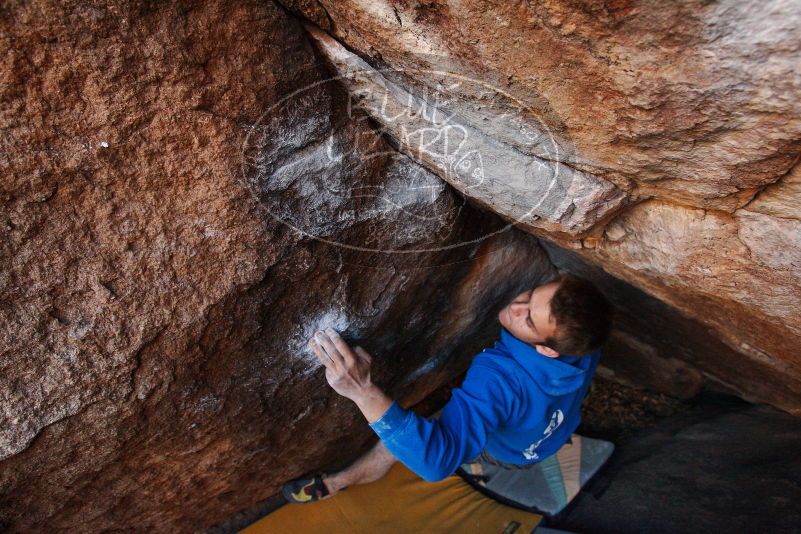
(305, 490)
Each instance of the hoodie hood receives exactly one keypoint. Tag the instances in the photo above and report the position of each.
(556, 376)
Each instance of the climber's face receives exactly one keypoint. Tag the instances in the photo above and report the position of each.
(528, 317)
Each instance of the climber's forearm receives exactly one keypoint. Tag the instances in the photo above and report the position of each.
(372, 402)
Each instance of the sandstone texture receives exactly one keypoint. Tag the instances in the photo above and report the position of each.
(686, 113)
(530, 189)
(182, 204)
(190, 189)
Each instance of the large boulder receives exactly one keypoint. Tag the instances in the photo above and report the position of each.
(188, 193)
(659, 140)
(183, 204)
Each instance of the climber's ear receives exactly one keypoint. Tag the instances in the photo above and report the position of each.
(546, 351)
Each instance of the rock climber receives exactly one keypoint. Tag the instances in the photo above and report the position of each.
(519, 402)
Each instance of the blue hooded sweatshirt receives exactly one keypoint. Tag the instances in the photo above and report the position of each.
(517, 404)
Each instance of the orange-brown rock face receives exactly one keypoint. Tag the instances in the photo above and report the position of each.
(182, 204)
(688, 109)
(185, 196)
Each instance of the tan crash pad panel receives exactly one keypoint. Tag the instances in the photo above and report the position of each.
(401, 502)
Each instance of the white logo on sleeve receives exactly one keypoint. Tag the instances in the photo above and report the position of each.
(556, 419)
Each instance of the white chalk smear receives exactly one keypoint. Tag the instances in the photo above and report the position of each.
(336, 318)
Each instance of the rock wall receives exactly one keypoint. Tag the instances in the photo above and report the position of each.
(660, 140)
(187, 194)
(182, 204)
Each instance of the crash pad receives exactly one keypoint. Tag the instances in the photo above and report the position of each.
(401, 502)
(545, 487)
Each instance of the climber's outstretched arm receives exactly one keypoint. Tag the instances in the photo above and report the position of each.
(433, 449)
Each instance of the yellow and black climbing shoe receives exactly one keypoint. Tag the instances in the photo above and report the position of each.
(304, 490)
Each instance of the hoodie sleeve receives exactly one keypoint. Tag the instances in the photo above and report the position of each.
(435, 448)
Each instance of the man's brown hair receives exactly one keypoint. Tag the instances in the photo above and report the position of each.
(583, 317)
